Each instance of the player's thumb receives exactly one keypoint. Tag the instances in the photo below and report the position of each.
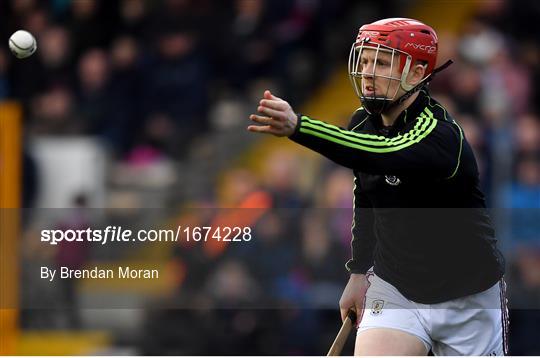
(343, 312)
(349, 312)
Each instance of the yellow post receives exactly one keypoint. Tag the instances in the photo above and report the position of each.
(10, 197)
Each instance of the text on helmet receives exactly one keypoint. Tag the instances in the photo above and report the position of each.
(428, 49)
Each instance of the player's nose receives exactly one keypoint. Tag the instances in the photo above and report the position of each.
(367, 71)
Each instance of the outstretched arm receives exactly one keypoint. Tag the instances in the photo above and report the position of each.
(426, 146)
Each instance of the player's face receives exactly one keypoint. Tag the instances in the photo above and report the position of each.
(380, 73)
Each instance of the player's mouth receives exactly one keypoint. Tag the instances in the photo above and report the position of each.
(369, 91)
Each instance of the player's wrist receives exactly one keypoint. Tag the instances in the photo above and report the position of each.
(357, 276)
(297, 125)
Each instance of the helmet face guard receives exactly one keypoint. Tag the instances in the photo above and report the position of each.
(408, 42)
(380, 98)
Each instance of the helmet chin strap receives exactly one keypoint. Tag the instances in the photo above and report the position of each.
(378, 106)
(374, 105)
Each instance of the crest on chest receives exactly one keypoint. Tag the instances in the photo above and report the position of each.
(392, 180)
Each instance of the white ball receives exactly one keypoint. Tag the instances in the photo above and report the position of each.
(22, 44)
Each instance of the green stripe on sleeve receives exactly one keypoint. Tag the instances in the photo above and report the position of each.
(384, 142)
(370, 149)
(365, 136)
(423, 127)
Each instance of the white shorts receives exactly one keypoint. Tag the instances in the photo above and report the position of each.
(471, 325)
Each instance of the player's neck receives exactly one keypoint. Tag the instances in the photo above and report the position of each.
(390, 116)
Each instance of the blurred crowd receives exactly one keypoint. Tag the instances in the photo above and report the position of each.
(144, 76)
(150, 78)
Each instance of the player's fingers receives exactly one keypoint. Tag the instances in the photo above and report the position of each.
(266, 121)
(259, 129)
(274, 104)
(357, 311)
(263, 129)
(276, 114)
(269, 95)
(259, 119)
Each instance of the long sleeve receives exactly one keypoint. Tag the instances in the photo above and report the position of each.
(425, 146)
(363, 236)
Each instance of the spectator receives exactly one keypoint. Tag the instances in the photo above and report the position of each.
(55, 54)
(73, 255)
(125, 94)
(93, 99)
(53, 113)
(176, 84)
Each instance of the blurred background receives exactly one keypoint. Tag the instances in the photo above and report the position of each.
(133, 112)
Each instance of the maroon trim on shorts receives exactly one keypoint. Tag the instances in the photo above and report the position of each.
(505, 320)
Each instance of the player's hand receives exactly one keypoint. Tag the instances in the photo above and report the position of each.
(353, 295)
(275, 117)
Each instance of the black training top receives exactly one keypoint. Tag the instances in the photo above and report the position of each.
(419, 217)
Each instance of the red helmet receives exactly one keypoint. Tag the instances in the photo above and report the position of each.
(410, 39)
(407, 35)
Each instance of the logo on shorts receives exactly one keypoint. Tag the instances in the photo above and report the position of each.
(392, 180)
(376, 307)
